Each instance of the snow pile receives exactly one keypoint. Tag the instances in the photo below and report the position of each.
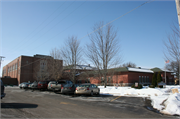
(123, 91)
(162, 98)
(172, 105)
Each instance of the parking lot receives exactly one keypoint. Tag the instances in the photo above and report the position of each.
(21, 103)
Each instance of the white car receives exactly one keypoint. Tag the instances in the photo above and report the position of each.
(88, 89)
(49, 85)
(23, 85)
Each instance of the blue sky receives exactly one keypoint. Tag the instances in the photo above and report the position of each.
(35, 27)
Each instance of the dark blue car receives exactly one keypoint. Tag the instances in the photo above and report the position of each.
(2, 90)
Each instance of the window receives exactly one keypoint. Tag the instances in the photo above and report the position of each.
(145, 79)
(148, 79)
(139, 79)
(142, 79)
(16, 66)
(13, 67)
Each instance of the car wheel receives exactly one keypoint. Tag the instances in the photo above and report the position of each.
(91, 93)
(97, 93)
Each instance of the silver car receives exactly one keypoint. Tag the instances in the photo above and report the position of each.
(20, 85)
(34, 85)
(25, 85)
(49, 85)
(88, 89)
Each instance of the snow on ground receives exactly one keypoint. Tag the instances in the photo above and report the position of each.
(162, 99)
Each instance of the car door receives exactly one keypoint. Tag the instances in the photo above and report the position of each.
(95, 88)
(92, 88)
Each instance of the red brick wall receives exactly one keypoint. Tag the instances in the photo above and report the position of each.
(134, 76)
(169, 77)
(25, 70)
(124, 78)
(13, 73)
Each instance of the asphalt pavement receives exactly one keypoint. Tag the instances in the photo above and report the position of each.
(20, 103)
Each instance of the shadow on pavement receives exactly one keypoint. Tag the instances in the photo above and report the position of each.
(18, 105)
(90, 95)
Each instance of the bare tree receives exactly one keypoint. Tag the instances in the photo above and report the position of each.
(104, 49)
(129, 64)
(172, 51)
(72, 55)
(55, 65)
(173, 66)
(40, 70)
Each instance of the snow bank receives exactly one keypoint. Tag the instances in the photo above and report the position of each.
(162, 98)
(172, 105)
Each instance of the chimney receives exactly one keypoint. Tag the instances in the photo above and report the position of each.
(88, 65)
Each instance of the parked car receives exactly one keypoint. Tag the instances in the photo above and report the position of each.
(49, 85)
(25, 85)
(20, 85)
(34, 85)
(68, 88)
(88, 89)
(57, 86)
(29, 85)
(2, 90)
(42, 85)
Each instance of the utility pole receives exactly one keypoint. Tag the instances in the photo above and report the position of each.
(1, 60)
(178, 13)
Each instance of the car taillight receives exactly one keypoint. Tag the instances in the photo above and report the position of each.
(61, 87)
(70, 87)
(87, 88)
(51, 85)
(76, 88)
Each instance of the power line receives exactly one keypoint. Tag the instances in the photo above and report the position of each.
(100, 27)
(105, 24)
(49, 23)
(70, 26)
(39, 25)
(116, 19)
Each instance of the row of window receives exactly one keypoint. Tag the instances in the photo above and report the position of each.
(13, 67)
(144, 79)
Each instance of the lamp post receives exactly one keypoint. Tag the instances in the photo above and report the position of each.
(178, 13)
(1, 60)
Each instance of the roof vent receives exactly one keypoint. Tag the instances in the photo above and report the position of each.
(139, 67)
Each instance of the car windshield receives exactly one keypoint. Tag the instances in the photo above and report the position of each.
(61, 82)
(41, 82)
(68, 85)
(52, 82)
(84, 86)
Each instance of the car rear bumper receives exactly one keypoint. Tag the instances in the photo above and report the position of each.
(83, 92)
